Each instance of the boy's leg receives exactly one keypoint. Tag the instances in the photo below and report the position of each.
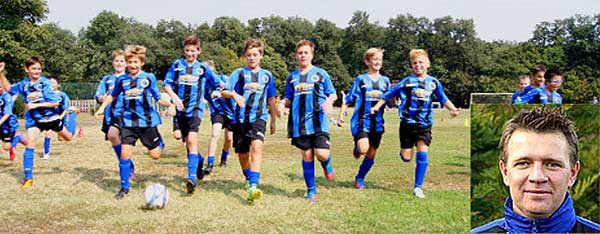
(124, 170)
(308, 168)
(227, 142)
(32, 133)
(421, 168)
(195, 160)
(212, 146)
(47, 141)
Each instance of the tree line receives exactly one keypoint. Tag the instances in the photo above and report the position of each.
(463, 62)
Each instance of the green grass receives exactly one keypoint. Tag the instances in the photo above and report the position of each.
(73, 191)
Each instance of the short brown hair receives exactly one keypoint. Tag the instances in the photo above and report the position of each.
(32, 60)
(254, 43)
(541, 120)
(371, 52)
(549, 74)
(538, 68)
(136, 51)
(305, 42)
(118, 52)
(192, 40)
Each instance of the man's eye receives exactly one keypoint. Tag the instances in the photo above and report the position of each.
(522, 164)
(554, 165)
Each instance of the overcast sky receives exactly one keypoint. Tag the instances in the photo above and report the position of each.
(512, 20)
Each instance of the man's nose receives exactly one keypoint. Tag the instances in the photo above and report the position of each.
(537, 173)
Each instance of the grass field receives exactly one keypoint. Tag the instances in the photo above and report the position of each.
(73, 191)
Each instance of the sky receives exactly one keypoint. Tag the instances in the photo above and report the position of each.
(508, 20)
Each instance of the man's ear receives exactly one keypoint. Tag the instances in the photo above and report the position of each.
(504, 172)
(573, 174)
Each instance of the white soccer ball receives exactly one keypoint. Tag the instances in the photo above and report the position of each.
(156, 196)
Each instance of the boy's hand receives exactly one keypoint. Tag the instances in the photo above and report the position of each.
(99, 114)
(31, 106)
(239, 100)
(1, 67)
(215, 94)
(171, 110)
(374, 110)
(454, 113)
(340, 120)
(175, 100)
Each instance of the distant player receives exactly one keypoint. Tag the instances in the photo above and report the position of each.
(367, 128)
(139, 118)
(221, 116)
(253, 89)
(537, 79)
(524, 81)
(310, 95)
(186, 82)
(9, 124)
(416, 115)
(546, 94)
(111, 123)
(67, 114)
(40, 110)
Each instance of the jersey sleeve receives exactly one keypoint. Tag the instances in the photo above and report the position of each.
(289, 89)
(101, 90)
(48, 92)
(211, 77)
(394, 92)
(8, 104)
(529, 97)
(118, 89)
(18, 89)
(328, 88)
(66, 103)
(439, 92)
(154, 87)
(233, 80)
(271, 91)
(353, 92)
(169, 82)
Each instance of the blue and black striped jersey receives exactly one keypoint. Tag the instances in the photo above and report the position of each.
(64, 102)
(188, 82)
(6, 107)
(106, 86)
(307, 93)
(138, 111)
(222, 106)
(39, 91)
(539, 96)
(416, 97)
(256, 87)
(366, 92)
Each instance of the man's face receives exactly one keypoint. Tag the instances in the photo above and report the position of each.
(537, 172)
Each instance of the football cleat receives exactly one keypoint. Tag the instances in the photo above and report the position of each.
(121, 194)
(26, 183)
(254, 194)
(418, 192)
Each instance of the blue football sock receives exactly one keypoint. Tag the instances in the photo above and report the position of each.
(28, 163)
(193, 160)
(71, 123)
(211, 160)
(124, 170)
(364, 168)
(254, 178)
(15, 141)
(224, 154)
(309, 174)
(421, 168)
(325, 164)
(246, 173)
(161, 145)
(117, 149)
(47, 145)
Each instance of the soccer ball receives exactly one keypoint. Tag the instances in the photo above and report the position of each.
(156, 196)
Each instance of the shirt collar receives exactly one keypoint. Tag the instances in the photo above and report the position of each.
(562, 220)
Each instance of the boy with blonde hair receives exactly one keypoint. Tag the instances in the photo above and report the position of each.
(140, 119)
(367, 128)
(416, 114)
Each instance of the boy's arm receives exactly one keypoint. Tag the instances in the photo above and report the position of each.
(109, 99)
(340, 121)
(101, 90)
(3, 81)
(239, 99)
(273, 109)
(8, 106)
(4, 118)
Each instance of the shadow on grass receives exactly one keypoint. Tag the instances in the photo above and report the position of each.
(228, 187)
(19, 175)
(321, 181)
(99, 177)
(456, 164)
